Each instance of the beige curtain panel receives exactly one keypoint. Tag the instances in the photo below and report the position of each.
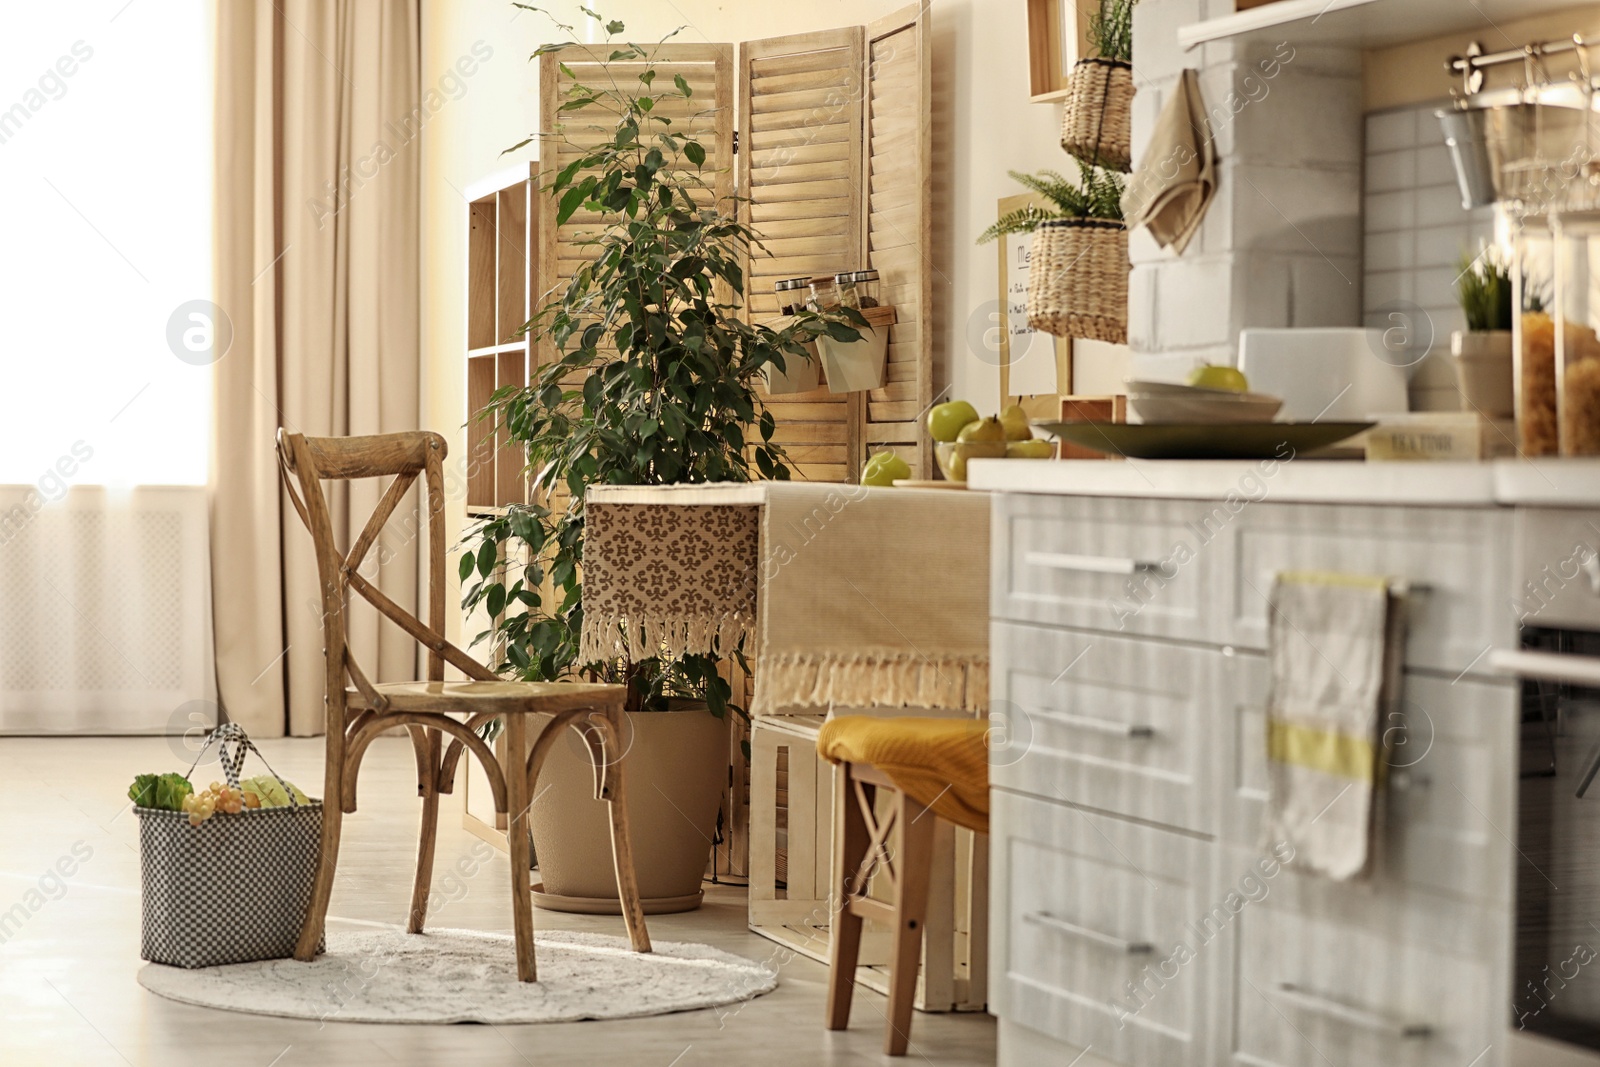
(316, 269)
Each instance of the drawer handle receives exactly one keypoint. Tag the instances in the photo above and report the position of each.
(1367, 1020)
(1083, 933)
(1548, 666)
(1062, 561)
(1105, 726)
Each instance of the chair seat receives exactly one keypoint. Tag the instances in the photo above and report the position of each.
(504, 697)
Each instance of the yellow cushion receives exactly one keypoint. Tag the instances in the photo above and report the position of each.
(942, 764)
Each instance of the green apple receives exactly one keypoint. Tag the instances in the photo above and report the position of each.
(1032, 449)
(989, 429)
(1015, 420)
(946, 420)
(883, 468)
(1214, 377)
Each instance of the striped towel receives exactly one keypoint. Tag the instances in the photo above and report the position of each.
(1336, 648)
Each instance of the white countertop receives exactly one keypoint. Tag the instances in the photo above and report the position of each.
(1545, 483)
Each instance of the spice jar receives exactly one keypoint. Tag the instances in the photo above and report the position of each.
(824, 293)
(1533, 340)
(1576, 239)
(857, 288)
(792, 294)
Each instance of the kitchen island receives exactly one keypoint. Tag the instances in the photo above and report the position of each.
(1139, 917)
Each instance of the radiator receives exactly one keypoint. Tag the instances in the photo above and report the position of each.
(105, 611)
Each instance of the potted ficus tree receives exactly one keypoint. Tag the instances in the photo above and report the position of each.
(655, 384)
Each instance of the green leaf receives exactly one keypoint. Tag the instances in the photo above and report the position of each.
(683, 86)
(467, 563)
(496, 600)
(614, 26)
(488, 556)
(696, 154)
(569, 203)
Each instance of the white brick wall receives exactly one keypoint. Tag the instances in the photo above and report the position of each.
(1415, 234)
(1281, 242)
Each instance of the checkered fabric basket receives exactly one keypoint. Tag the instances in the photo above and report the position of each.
(233, 889)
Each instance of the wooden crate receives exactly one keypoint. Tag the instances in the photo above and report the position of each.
(790, 897)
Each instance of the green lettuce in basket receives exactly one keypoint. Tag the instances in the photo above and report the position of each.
(164, 792)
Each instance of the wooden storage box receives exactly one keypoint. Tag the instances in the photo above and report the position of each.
(791, 849)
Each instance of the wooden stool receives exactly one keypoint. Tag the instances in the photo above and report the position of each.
(897, 848)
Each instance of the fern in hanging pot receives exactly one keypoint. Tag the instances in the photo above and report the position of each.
(1097, 122)
(1078, 271)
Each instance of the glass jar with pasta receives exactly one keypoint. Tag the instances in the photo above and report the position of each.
(1534, 340)
(1576, 371)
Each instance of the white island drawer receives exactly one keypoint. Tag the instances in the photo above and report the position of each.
(1456, 561)
(1126, 566)
(1449, 802)
(1091, 910)
(1108, 722)
(1332, 973)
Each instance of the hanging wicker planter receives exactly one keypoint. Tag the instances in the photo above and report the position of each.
(1097, 124)
(1078, 279)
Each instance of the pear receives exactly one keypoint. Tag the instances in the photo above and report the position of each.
(1015, 420)
(984, 430)
(1030, 449)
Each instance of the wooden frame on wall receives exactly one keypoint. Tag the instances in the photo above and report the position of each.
(1058, 36)
(1044, 402)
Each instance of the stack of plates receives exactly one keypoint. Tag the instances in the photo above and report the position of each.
(1165, 402)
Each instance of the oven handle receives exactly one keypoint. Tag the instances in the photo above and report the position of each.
(1554, 667)
(1546, 666)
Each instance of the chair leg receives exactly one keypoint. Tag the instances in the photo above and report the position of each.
(914, 827)
(849, 850)
(513, 768)
(427, 745)
(305, 949)
(616, 778)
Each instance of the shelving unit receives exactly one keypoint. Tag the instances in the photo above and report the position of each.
(1362, 23)
(501, 295)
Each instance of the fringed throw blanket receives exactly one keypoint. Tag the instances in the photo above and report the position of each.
(667, 580)
(873, 598)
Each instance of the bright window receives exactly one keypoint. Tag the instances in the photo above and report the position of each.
(105, 174)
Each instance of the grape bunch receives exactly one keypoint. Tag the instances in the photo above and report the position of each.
(217, 797)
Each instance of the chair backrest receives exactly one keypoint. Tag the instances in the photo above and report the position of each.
(309, 461)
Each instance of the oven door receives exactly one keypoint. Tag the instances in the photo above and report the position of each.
(1556, 985)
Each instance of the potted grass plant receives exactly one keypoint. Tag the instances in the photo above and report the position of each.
(1078, 271)
(654, 384)
(1097, 121)
(1482, 352)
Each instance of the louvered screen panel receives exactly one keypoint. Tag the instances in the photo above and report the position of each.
(900, 227)
(707, 114)
(800, 112)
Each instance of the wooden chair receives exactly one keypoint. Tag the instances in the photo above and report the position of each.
(896, 848)
(358, 713)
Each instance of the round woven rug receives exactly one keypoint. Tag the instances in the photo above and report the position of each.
(459, 976)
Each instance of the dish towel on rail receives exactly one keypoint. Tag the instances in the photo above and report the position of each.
(873, 597)
(1336, 644)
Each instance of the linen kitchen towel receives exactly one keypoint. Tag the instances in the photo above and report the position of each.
(1335, 642)
(667, 579)
(873, 597)
(1176, 178)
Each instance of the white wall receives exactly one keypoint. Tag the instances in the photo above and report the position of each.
(984, 125)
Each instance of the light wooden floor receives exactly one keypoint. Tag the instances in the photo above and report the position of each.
(68, 994)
